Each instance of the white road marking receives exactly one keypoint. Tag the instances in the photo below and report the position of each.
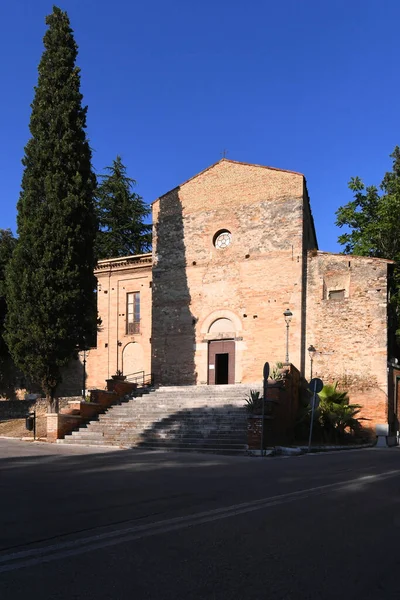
(43, 554)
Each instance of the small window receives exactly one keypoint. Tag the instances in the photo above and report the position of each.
(336, 295)
(222, 239)
(133, 313)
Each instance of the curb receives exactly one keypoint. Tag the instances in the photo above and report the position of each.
(303, 450)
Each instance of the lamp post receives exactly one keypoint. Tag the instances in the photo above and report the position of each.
(311, 353)
(85, 350)
(288, 317)
(84, 374)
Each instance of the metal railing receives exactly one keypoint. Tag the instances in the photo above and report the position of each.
(141, 378)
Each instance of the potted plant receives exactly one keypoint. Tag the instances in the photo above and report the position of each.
(119, 376)
(254, 402)
(278, 374)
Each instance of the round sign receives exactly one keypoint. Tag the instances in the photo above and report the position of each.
(315, 385)
(266, 370)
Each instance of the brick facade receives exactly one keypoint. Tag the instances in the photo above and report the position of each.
(350, 334)
(117, 348)
(193, 292)
(250, 283)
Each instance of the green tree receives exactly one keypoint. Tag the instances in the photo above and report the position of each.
(373, 219)
(50, 282)
(7, 245)
(121, 214)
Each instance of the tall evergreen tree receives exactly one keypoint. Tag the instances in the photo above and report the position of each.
(50, 282)
(7, 245)
(121, 214)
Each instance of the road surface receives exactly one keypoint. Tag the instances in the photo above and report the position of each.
(103, 524)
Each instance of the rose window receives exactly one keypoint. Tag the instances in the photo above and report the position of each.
(222, 239)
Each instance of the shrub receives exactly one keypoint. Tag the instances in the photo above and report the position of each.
(254, 401)
(335, 419)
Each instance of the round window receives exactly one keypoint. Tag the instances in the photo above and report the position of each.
(222, 239)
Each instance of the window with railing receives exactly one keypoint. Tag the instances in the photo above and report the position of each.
(133, 313)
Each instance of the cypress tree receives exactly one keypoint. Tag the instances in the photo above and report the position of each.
(50, 282)
(121, 214)
(7, 245)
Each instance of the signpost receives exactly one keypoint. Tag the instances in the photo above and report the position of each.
(315, 386)
(265, 387)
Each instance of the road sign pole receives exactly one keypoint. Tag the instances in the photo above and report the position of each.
(265, 387)
(315, 386)
(262, 426)
(312, 421)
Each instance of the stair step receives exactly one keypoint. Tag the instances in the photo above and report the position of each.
(177, 419)
(173, 443)
(166, 422)
(70, 440)
(234, 451)
(183, 443)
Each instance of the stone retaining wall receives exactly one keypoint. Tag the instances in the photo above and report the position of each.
(17, 410)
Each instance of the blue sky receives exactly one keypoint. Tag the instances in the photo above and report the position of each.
(304, 85)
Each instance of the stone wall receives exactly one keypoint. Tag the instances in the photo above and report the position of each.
(14, 386)
(17, 410)
(350, 334)
(251, 282)
(281, 412)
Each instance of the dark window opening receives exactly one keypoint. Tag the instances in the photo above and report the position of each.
(336, 295)
(221, 368)
(133, 313)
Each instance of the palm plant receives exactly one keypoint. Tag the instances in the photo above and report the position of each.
(277, 374)
(336, 415)
(254, 401)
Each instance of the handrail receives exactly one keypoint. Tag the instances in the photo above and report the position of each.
(141, 376)
(135, 373)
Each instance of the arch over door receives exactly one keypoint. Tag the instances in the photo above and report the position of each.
(222, 325)
(132, 358)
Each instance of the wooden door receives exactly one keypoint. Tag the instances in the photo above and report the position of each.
(221, 362)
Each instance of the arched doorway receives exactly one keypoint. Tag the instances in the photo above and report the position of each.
(221, 352)
(132, 359)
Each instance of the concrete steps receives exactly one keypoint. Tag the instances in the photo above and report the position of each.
(188, 418)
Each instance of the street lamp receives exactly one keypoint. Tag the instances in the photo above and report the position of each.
(84, 374)
(311, 352)
(288, 317)
(86, 351)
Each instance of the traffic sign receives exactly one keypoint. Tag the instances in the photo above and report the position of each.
(315, 385)
(266, 370)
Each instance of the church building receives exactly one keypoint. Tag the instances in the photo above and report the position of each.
(236, 279)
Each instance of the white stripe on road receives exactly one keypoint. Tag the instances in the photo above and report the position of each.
(30, 558)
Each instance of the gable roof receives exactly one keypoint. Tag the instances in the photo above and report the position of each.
(235, 162)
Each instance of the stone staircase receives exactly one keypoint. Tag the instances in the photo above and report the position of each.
(185, 418)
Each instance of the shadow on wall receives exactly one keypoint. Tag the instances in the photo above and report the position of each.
(13, 384)
(173, 325)
(9, 380)
(72, 379)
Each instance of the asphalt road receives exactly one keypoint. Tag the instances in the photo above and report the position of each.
(80, 523)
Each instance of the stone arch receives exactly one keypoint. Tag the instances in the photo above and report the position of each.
(221, 325)
(219, 321)
(132, 358)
